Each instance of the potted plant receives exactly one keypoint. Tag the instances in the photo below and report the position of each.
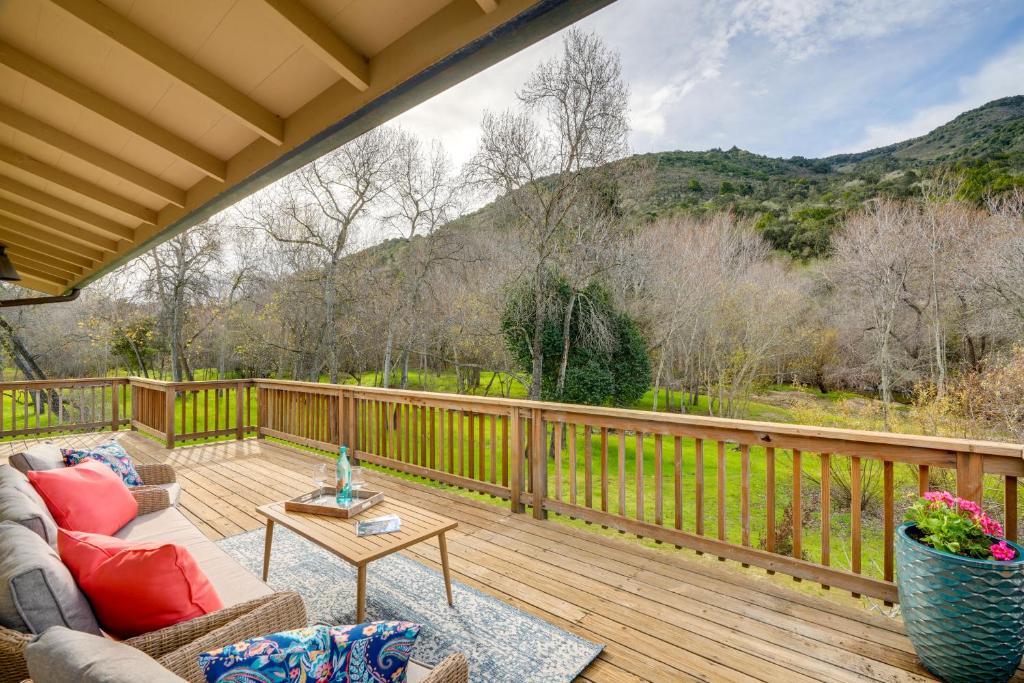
(961, 590)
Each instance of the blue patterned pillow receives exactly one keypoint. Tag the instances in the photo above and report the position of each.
(375, 652)
(110, 454)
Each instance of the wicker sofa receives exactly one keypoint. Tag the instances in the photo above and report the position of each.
(251, 608)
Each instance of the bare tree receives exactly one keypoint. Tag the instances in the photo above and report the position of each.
(543, 158)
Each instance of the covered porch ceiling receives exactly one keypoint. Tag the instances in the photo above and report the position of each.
(123, 122)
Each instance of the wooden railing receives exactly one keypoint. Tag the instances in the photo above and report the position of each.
(187, 411)
(777, 496)
(54, 406)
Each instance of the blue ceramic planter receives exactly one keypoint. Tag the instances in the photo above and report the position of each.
(965, 617)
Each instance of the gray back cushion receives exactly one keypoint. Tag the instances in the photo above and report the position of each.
(16, 507)
(61, 655)
(36, 590)
(44, 456)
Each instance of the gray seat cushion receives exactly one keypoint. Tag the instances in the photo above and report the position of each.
(36, 590)
(173, 492)
(62, 655)
(233, 583)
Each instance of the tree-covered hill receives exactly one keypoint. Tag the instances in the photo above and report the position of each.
(797, 202)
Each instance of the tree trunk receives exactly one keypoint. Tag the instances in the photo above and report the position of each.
(566, 327)
(388, 347)
(536, 347)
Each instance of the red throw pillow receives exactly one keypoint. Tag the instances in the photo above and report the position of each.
(87, 497)
(136, 588)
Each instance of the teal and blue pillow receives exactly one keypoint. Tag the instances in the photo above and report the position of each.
(110, 454)
(374, 652)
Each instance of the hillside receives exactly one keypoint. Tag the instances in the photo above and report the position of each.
(797, 202)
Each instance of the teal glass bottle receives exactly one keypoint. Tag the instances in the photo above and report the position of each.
(344, 472)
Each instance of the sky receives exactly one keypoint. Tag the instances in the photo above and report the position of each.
(776, 77)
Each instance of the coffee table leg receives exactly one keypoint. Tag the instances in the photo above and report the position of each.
(266, 548)
(444, 567)
(361, 593)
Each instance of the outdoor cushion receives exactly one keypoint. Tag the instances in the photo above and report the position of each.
(44, 456)
(173, 492)
(232, 582)
(17, 507)
(136, 588)
(112, 454)
(36, 589)
(375, 651)
(87, 497)
(61, 655)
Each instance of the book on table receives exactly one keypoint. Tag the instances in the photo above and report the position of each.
(378, 525)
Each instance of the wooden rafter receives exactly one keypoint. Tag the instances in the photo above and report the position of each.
(58, 139)
(134, 123)
(21, 257)
(83, 187)
(324, 42)
(122, 31)
(13, 231)
(56, 226)
(43, 275)
(98, 223)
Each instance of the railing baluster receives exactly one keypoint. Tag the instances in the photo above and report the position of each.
(826, 511)
(638, 457)
(504, 450)
(797, 508)
(745, 493)
(677, 479)
(888, 521)
(769, 495)
(556, 445)
(922, 479)
(855, 533)
(604, 471)
(659, 483)
(481, 451)
(451, 440)
(433, 439)
(572, 463)
(622, 472)
(698, 484)
(721, 494)
(1010, 507)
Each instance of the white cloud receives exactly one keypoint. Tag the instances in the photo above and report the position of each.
(999, 77)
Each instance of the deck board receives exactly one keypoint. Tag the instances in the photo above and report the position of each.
(661, 615)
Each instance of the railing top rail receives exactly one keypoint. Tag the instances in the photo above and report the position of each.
(765, 433)
(161, 384)
(53, 383)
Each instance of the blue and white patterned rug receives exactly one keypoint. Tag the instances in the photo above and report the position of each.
(503, 644)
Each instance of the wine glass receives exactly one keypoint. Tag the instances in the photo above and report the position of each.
(358, 482)
(320, 476)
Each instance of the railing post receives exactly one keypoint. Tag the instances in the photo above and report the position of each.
(169, 416)
(261, 409)
(239, 405)
(970, 475)
(115, 418)
(538, 465)
(515, 480)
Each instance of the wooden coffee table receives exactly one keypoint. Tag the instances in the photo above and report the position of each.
(338, 536)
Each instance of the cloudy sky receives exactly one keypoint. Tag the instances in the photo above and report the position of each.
(777, 77)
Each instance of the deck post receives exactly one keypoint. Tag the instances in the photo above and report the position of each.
(970, 476)
(261, 409)
(515, 480)
(538, 465)
(169, 416)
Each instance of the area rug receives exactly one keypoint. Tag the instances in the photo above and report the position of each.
(503, 644)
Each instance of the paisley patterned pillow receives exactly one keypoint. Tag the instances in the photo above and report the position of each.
(110, 454)
(374, 652)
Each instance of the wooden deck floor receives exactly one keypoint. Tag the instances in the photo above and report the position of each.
(662, 616)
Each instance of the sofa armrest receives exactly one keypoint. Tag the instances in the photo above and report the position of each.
(178, 647)
(12, 655)
(150, 498)
(154, 475)
(452, 669)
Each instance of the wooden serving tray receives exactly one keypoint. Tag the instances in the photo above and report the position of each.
(321, 502)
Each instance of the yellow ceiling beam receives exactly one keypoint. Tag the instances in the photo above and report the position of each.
(15, 232)
(33, 260)
(122, 31)
(99, 223)
(42, 275)
(35, 284)
(321, 39)
(487, 6)
(69, 144)
(134, 123)
(54, 175)
(56, 226)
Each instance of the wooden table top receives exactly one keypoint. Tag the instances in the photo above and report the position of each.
(338, 535)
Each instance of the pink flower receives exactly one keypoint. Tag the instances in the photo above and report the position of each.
(989, 526)
(969, 506)
(1002, 552)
